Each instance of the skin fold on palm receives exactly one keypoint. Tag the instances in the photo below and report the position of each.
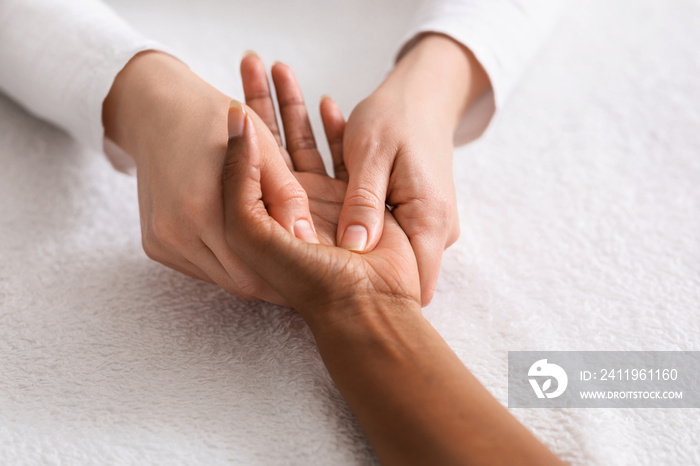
(326, 196)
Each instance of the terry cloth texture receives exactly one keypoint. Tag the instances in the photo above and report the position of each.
(580, 216)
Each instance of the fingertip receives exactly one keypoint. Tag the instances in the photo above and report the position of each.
(429, 258)
(282, 74)
(330, 112)
(242, 149)
(359, 233)
(354, 238)
(249, 58)
(278, 65)
(328, 103)
(252, 69)
(364, 206)
(237, 117)
(305, 232)
(426, 296)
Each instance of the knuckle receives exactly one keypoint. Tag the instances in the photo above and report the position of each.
(364, 197)
(453, 235)
(428, 238)
(232, 163)
(149, 249)
(245, 288)
(435, 209)
(441, 204)
(371, 150)
(257, 95)
(301, 142)
(292, 193)
(294, 101)
(339, 166)
(154, 251)
(164, 232)
(428, 215)
(196, 207)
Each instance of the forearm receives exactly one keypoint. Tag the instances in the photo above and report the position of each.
(412, 395)
(439, 77)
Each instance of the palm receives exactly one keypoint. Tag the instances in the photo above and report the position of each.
(326, 196)
(391, 267)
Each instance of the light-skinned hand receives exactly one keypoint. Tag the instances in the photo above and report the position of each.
(175, 126)
(398, 151)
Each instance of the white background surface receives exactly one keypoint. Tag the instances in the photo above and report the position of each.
(580, 215)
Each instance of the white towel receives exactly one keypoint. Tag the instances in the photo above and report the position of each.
(580, 213)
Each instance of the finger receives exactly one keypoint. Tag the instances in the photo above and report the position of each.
(431, 227)
(256, 89)
(362, 216)
(334, 126)
(255, 186)
(428, 251)
(261, 243)
(298, 134)
(258, 97)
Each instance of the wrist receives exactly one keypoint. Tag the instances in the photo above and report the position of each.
(368, 318)
(150, 90)
(441, 77)
(120, 105)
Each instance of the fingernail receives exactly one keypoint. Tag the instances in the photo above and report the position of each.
(249, 52)
(236, 119)
(324, 97)
(354, 238)
(303, 231)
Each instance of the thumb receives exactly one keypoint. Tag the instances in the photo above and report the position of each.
(362, 217)
(243, 199)
(284, 198)
(265, 248)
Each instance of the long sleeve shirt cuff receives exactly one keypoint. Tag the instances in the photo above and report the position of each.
(59, 60)
(503, 35)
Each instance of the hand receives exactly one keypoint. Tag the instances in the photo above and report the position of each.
(175, 126)
(398, 151)
(301, 155)
(310, 277)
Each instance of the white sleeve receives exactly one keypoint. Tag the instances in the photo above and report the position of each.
(59, 58)
(502, 34)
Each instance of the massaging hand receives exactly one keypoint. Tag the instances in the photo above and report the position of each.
(398, 151)
(307, 275)
(175, 126)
